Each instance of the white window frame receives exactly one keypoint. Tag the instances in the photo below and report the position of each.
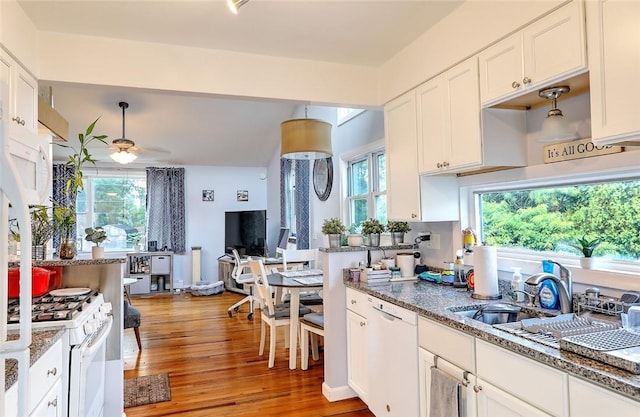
(615, 274)
(88, 177)
(345, 160)
(344, 114)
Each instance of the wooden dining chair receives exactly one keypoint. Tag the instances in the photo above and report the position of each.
(311, 326)
(295, 259)
(271, 314)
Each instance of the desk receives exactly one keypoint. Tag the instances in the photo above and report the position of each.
(278, 281)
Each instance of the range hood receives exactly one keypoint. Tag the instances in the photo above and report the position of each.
(51, 119)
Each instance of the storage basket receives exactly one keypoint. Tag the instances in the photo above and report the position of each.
(207, 288)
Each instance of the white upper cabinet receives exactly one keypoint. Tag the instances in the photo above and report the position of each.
(449, 136)
(19, 94)
(614, 62)
(403, 184)
(548, 50)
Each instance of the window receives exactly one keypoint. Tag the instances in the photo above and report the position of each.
(367, 187)
(344, 114)
(553, 218)
(115, 202)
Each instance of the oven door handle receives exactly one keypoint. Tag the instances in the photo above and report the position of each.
(92, 345)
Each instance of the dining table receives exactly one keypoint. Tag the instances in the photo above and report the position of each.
(306, 280)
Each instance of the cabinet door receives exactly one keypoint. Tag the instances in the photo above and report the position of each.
(614, 60)
(432, 132)
(357, 356)
(403, 186)
(5, 68)
(26, 99)
(493, 402)
(554, 47)
(465, 142)
(501, 69)
(51, 404)
(587, 399)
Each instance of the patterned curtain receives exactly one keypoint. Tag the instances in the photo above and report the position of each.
(61, 173)
(166, 208)
(295, 197)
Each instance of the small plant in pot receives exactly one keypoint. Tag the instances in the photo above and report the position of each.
(397, 230)
(373, 228)
(333, 228)
(42, 230)
(355, 235)
(97, 236)
(586, 247)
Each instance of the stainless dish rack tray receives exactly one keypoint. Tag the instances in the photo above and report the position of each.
(610, 306)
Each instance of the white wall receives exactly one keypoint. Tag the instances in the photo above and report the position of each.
(18, 35)
(205, 219)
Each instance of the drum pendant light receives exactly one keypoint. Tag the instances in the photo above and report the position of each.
(305, 138)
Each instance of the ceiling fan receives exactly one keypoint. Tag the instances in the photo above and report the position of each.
(123, 145)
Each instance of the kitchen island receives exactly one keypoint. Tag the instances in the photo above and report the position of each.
(431, 301)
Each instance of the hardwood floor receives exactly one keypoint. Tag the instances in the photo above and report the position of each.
(214, 367)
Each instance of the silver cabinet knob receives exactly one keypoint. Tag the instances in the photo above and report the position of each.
(438, 165)
(18, 121)
(414, 215)
(53, 403)
(445, 164)
(477, 388)
(526, 80)
(362, 324)
(353, 301)
(52, 372)
(515, 84)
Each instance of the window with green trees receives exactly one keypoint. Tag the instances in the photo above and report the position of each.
(551, 219)
(116, 202)
(367, 188)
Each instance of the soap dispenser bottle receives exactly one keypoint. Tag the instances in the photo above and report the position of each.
(517, 284)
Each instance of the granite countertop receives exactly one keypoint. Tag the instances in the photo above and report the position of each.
(73, 262)
(41, 341)
(401, 246)
(432, 300)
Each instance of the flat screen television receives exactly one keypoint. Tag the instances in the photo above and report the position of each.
(246, 231)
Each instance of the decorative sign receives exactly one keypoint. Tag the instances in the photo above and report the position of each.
(576, 149)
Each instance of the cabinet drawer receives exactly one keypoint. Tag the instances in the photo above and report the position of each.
(589, 399)
(452, 345)
(530, 381)
(142, 286)
(358, 302)
(44, 374)
(51, 404)
(160, 264)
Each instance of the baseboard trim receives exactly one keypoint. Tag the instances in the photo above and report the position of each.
(338, 393)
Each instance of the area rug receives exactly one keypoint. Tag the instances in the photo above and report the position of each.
(148, 389)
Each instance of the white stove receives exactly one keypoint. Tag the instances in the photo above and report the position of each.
(87, 319)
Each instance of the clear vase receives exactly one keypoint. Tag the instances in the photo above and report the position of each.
(67, 249)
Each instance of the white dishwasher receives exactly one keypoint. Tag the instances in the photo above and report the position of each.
(393, 383)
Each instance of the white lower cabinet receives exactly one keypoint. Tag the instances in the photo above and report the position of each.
(587, 400)
(531, 382)
(494, 402)
(357, 356)
(45, 386)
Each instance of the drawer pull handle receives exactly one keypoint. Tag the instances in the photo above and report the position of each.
(52, 372)
(477, 388)
(53, 403)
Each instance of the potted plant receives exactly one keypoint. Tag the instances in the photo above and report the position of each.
(65, 213)
(97, 236)
(355, 235)
(333, 228)
(586, 247)
(42, 230)
(397, 229)
(373, 228)
(136, 239)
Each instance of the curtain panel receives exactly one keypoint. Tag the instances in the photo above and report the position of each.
(166, 208)
(61, 174)
(294, 198)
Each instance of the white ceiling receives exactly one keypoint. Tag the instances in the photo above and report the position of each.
(365, 33)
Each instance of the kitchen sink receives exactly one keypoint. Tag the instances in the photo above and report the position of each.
(498, 313)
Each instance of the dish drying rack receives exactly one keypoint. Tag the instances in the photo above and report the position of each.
(566, 325)
(610, 306)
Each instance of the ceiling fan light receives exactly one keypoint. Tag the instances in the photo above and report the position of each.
(123, 157)
(234, 5)
(305, 139)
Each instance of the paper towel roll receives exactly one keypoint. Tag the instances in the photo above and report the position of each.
(486, 271)
(405, 263)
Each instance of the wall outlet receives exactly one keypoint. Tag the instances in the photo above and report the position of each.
(433, 242)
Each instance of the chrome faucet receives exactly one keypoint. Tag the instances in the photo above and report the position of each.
(564, 283)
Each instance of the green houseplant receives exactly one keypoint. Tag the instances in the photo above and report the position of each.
(97, 236)
(64, 214)
(333, 228)
(373, 228)
(397, 230)
(586, 247)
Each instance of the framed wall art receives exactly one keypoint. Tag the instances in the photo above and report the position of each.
(207, 195)
(243, 195)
